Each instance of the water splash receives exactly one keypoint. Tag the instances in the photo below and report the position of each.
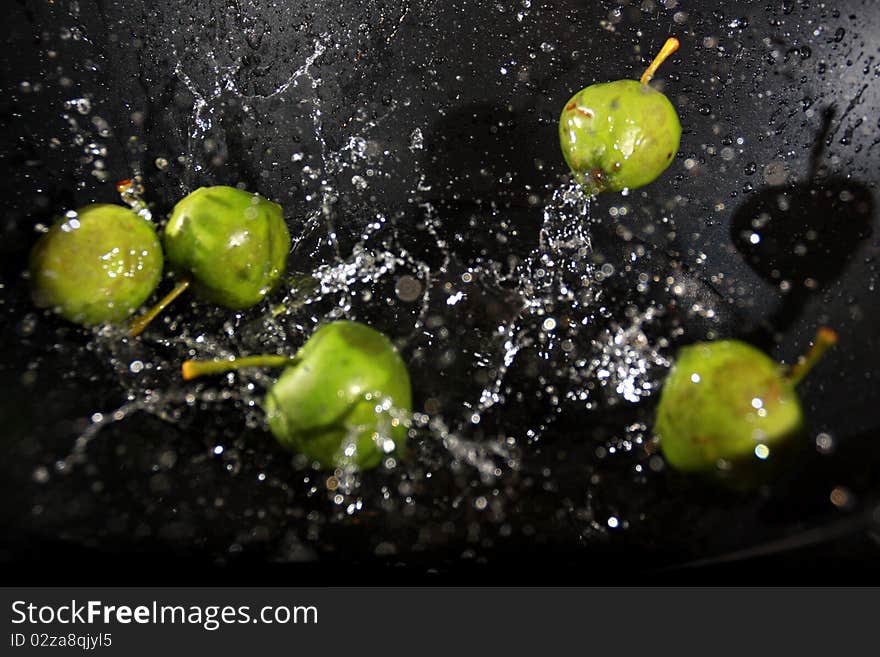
(542, 336)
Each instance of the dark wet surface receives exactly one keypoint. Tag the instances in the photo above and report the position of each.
(447, 111)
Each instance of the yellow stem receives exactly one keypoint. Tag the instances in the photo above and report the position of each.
(825, 339)
(137, 326)
(192, 369)
(668, 48)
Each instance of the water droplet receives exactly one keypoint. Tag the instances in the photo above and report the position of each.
(824, 443)
(408, 288)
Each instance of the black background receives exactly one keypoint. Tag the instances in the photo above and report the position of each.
(797, 81)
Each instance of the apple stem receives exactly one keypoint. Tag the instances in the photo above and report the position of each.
(193, 369)
(825, 339)
(668, 48)
(138, 325)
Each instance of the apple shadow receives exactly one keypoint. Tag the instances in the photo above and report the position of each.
(800, 236)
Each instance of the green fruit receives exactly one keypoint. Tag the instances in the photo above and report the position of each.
(232, 243)
(96, 265)
(619, 135)
(325, 405)
(342, 400)
(726, 403)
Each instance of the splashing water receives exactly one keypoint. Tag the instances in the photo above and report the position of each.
(499, 349)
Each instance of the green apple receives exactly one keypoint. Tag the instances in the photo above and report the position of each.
(233, 243)
(342, 400)
(96, 265)
(726, 402)
(619, 135)
(231, 246)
